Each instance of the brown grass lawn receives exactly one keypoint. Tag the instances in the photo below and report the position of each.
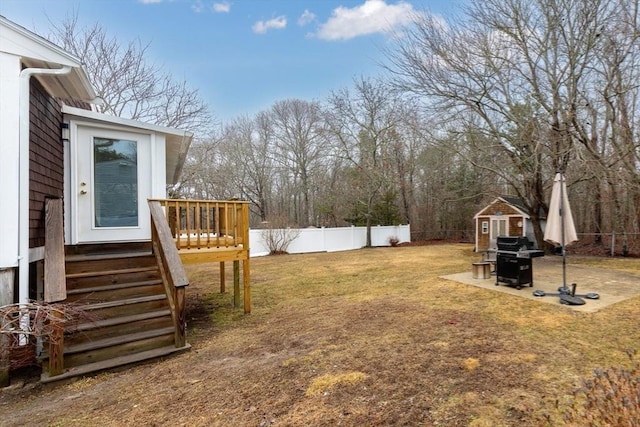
(360, 338)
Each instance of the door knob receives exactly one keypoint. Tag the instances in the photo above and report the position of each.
(83, 191)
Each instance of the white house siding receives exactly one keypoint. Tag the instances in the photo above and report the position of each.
(158, 166)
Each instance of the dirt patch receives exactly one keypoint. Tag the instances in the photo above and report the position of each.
(368, 337)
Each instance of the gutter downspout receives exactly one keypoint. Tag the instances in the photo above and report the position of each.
(23, 185)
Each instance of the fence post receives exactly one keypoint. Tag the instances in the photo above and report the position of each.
(353, 236)
(613, 243)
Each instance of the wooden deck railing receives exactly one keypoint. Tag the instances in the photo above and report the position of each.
(173, 274)
(210, 231)
(205, 224)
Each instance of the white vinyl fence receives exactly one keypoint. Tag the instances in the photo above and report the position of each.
(332, 239)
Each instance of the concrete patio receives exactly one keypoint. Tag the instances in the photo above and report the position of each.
(612, 286)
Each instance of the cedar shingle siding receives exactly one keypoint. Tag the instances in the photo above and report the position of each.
(46, 160)
(499, 206)
(506, 209)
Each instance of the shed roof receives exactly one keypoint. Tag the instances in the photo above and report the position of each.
(516, 202)
(513, 201)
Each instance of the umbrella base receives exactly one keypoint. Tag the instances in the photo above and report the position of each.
(571, 300)
(568, 296)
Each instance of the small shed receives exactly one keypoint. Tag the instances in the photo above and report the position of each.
(505, 216)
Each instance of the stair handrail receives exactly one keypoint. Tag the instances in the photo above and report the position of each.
(172, 271)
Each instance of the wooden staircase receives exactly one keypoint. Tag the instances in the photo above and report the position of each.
(128, 310)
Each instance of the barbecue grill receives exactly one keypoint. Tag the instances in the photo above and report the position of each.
(513, 261)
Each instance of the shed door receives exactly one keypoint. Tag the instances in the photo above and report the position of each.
(113, 184)
(498, 228)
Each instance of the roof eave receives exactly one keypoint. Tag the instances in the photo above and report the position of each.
(523, 213)
(177, 141)
(35, 51)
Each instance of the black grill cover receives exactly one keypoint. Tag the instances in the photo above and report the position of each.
(513, 243)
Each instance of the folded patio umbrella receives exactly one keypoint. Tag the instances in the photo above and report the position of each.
(560, 229)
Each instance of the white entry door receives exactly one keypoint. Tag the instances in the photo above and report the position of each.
(113, 182)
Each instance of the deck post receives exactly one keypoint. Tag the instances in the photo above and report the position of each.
(247, 289)
(236, 284)
(181, 314)
(4, 359)
(222, 278)
(56, 343)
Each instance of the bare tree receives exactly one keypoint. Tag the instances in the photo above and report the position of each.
(207, 173)
(129, 85)
(508, 81)
(363, 124)
(608, 129)
(247, 149)
(298, 126)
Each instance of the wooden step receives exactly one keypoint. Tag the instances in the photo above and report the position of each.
(118, 326)
(121, 320)
(120, 303)
(109, 348)
(93, 273)
(113, 287)
(112, 327)
(119, 293)
(113, 363)
(74, 283)
(100, 248)
(123, 339)
(109, 264)
(118, 321)
(104, 256)
(139, 306)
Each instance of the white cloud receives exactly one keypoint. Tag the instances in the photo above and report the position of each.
(150, 1)
(306, 18)
(197, 7)
(262, 27)
(223, 7)
(373, 16)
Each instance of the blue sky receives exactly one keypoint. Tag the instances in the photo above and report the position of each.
(244, 55)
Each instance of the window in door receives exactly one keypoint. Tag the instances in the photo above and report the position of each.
(498, 228)
(115, 182)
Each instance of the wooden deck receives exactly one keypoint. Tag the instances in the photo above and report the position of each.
(212, 231)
